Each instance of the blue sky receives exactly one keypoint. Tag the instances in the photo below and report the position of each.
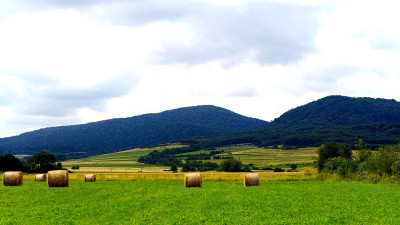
(71, 62)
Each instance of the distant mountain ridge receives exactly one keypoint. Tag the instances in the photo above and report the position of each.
(336, 119)
(124, 133)
(339, 110)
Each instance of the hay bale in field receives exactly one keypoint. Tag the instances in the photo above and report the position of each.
(193, 180)
(40, 178)
(12, 178)
(58, 178)
(90, 177)
(251, 179)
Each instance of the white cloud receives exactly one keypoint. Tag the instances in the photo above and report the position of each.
(66, 62)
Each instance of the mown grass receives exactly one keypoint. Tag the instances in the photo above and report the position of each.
(169, 202)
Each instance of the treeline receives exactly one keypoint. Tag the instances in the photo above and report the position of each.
(40, 162)
(171, 157)
(11, 163)
(333, 119)
(377, 135)
(338, 158)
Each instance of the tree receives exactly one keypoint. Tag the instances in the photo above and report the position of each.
(328, 151)
(293, 166)
(231, 165)
(42, 162)
(10, 163)
(382, 161)
(174, 168)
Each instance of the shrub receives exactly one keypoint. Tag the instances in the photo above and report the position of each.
(230, 165)
(246, 168)
(362, 167)
(328, 151)
(279, 170)
(293, 166)
(396, 168)
(174, 168)
(382, 162)
(342, 166)
(75, 167)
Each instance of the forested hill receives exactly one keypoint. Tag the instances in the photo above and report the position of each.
(340, 110)
(119, 134)
(336, 119)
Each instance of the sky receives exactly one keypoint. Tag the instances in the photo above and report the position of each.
(71, 62)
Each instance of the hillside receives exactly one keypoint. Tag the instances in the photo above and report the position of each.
(127, 133)
(331, 119)
(339, 111)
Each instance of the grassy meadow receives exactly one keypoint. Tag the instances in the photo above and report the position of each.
(226, 202)
(121, 195)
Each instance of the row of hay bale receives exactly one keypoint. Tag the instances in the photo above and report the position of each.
(55, 178)
(194, 180)
(60, 178)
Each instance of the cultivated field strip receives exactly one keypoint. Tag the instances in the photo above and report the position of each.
(307, 174)
(127, 161)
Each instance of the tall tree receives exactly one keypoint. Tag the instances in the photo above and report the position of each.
(42, 162)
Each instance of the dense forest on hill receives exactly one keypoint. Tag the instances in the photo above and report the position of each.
(120, 134)
(374, 134)
(339, 111)
(336, 119)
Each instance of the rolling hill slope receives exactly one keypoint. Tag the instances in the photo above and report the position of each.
(340, 111)
(127, 133)
(337, 119)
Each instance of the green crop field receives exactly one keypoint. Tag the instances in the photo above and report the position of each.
(123, 161)
(269, 156)
(228, 202)
(127, 161)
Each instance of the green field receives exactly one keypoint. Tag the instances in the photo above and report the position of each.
(262, 157)
(127, 161)
(268, 156)
(123, 161)
(169, 202)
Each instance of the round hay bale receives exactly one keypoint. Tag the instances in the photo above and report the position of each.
(251, 179)
(40, 178)
(58, 178)
(12, 178)
(90, 177)
(193, 180)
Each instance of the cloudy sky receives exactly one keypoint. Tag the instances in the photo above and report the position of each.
(70, 62)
